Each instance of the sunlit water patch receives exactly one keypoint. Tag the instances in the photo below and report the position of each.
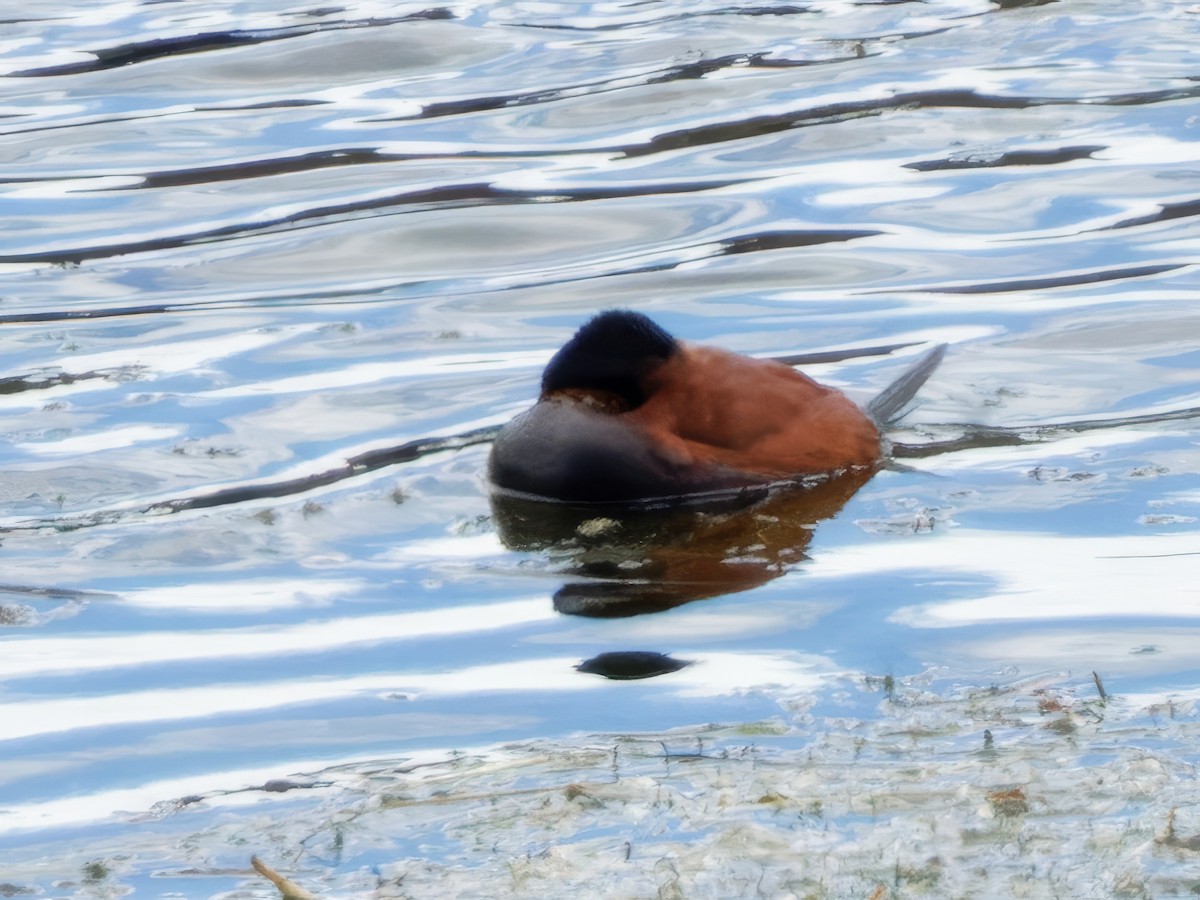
(269, 278)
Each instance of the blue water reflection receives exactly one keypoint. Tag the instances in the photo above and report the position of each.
(247, 244)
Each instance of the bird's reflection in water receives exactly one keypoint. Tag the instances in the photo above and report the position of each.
(630, 665)
(629, 560)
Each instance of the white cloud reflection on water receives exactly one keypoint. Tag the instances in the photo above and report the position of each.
(719, 674)
(184, 355)
(249, 596)
(113, 438)
(374, 373)
(55, 655)
(36, 717)
(1034, 577)
(697, 623)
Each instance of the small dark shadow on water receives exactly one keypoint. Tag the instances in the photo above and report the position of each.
(628, 560)
(630, 665)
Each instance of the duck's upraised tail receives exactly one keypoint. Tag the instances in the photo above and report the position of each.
(887, 408)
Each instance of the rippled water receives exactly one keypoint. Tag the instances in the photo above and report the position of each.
(257, 261)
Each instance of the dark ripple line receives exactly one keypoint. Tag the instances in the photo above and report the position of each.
(716, 132)
(180, 45)
(1166, 212)
(725, 247)
(685, 71)
(1021, 4)
(983, 436)
(306, 298)
(146, 116)
(1032, 284)
(995, 287)
(740, 244)
(356, 465)
(973, 437)
(353, 156)
(66, 315)
(54, 593)
(550, 280)
(758, 126)
(468, 194)
(466, 106)
(261, 168)
(785, 239)
(1009, 158)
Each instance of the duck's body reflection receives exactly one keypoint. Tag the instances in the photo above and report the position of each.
(646, 559)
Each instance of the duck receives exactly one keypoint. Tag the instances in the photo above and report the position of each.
(627, 413)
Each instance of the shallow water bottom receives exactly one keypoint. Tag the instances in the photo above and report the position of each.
(1040, 788)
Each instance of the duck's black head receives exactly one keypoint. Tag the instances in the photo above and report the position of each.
(612, 352)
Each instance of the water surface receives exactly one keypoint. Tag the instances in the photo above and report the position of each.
(245, 244)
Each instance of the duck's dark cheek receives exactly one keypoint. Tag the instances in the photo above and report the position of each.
(565, 451)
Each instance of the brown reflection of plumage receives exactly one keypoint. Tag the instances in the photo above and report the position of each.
(638, 560)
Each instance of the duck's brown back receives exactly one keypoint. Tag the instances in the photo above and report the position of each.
(710, 406)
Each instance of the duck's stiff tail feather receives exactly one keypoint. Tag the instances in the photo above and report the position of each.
(886, 408)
